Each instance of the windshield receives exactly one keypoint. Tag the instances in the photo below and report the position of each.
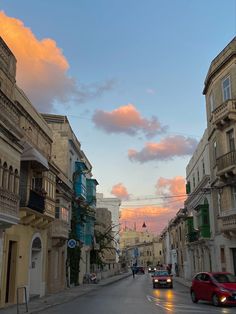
(224, 278)
(161, 273)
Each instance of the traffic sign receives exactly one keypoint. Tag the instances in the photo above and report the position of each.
(71, 243)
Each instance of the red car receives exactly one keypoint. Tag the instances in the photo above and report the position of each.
(218, 288)
(161, 278)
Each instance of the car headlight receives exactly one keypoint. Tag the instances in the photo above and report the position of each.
(168, 280)
(156, 280)
(149, 268)
(155, 268)
(224, 290)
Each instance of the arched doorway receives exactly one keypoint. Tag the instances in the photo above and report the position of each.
(36, 267)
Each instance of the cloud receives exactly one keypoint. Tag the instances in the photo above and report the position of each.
(174, 188)
(42, 68)
(120, 191)
(166, 149)
(155, 217)
(126, 119)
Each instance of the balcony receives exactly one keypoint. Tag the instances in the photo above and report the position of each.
(193, 236)
(224, 113)
(59, 229)
(9, 205)
(36, 201)
(226, 164)
(228, 222)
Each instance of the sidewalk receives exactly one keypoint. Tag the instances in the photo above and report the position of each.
(40, 304)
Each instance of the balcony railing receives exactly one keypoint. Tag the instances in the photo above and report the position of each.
(228, 222)
(36, 201)
(224, 112)
(193, 236)
(59, 229)
(9, 203)
(226, 161)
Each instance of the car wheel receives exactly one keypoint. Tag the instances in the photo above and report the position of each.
(215, 300)
(193, 297)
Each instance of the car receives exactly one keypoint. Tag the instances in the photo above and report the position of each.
(139, 270)
(161, 278)
(216, 287)
(151, 269)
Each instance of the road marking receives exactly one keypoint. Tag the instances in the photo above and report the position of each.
(164, 307)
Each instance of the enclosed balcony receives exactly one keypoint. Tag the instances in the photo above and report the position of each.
(9, 204)
(228, 222)
(192, 236)
(59, 229)
(224, 113)
(226, 164)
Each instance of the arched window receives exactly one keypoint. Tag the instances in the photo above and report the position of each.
(10, 179)
(5, 176)
(16, 182)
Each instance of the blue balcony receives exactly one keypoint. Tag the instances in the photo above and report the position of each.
(91, 192)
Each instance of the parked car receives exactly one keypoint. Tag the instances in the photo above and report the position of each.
(217, 287)
(161, 278)
(152, 269)
(139, 270)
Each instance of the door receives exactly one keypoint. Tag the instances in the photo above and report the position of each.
(36, 267)
(234, 260)
(11, 272)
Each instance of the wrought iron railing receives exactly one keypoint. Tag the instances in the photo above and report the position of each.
(226, 161)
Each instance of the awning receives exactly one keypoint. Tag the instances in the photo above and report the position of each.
(32, 154)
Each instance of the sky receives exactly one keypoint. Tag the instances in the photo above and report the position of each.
(129, 76)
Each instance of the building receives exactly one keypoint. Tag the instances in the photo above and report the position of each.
(220, 95)
(76, 170)
(200, 223)
(113, 205)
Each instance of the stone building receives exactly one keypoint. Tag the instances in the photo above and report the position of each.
(103, 228)
(10, 156)
(25, 245)
(77, 172)
(220, 95)
(113, 205)
(200, 223)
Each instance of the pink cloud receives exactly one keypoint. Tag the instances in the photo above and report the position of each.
(166, 149)
(174, 188)
(120, 191)
(155, 217)
(42, 67)
(127, 119)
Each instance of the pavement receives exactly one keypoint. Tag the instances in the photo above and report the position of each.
(38, 305)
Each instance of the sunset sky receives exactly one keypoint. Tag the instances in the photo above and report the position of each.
(129, 75)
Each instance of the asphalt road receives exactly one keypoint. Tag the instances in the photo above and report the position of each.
(136, 296)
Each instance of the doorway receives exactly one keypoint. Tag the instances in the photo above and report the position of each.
(234, 260)
(11, 272)
(36, 268)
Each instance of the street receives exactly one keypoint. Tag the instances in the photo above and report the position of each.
(136, 296)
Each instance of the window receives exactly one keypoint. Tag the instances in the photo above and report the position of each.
(214, 150)
(230, 140)
(203, 168)
(234, 196)
(194, 183)
(65, 214)
(226, 88)
(211, 100)
(37, 183)
(198, 175)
